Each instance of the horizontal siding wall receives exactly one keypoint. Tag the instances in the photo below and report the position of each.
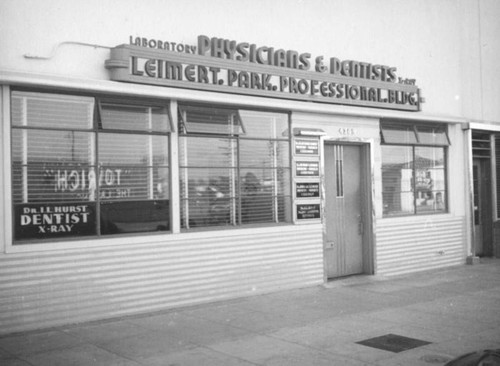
(405, 246)
(52, 288)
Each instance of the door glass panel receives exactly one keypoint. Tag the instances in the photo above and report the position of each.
(477, 217)
(339, 170)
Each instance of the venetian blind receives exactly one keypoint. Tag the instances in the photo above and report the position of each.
(231, 179)
(55, 161)
(211, 120)
(115, 116)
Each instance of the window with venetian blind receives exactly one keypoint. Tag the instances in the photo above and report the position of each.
(234, 167)
(85, 166)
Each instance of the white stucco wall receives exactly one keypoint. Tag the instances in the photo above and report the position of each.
(490, 52)
(449, 46)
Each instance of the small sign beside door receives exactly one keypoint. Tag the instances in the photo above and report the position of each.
(306, 189)
(306, 147)
(307, 168)
(308, 211)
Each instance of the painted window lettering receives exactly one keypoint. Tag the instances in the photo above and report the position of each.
(104, 173)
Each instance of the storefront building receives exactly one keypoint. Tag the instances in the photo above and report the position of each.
(140, 174)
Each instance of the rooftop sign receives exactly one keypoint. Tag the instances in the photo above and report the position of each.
(223, 65)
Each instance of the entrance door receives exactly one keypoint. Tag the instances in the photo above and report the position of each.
(343, 210)
(483, 225)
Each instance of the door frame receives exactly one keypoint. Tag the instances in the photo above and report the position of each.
(367, 201)
(485, 207)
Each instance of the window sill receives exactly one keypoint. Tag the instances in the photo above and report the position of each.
(153, 238)
(395, 216)
(413, 218)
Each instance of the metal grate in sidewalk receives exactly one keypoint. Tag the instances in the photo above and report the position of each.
(393, 343)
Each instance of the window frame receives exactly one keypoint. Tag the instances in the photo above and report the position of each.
(95, 130)
(414, 125)
(183, 110)
(238, 168)
(138, 102)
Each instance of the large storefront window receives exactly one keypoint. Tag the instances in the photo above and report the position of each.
(234, 167)
(413, 169)
(88, 166)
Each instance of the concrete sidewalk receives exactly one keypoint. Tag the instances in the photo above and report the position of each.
(443, 314)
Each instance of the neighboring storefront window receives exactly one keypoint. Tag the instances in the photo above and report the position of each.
(497, 171)
(234, 167)
(413, 168)
(88, 166)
